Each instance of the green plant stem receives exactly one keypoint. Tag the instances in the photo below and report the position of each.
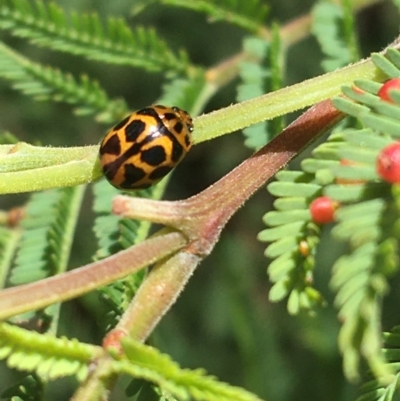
(23, 156)
(283, 101)
(26, 168)
(69, 285)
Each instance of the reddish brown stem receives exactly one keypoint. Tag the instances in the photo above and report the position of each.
(84, 279)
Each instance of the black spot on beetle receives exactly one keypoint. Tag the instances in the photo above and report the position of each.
(169, 116)
(132, 175)
(110, 170)
(178, 127)
(187, 141)
(134, 129)
(160, 172)
(154, 156)
(112, 146)
(133, 150)
(177, 151)
(121, 123)
(148, 111)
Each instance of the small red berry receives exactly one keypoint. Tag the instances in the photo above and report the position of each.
(388, 163)
(322, 209)
(384, 92)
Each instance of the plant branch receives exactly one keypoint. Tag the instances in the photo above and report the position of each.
(157, 294)
(282, 102)
(203, 216)
(26, 168)
(69, 285)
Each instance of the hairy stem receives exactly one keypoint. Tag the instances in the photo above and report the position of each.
(69, 285)
(157, 294)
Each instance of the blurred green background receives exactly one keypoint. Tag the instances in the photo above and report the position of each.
(223, 321)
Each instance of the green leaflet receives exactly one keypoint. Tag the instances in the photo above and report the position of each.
(259, 73)
(45, 83)
(28, 389)
(49, 226)
(360, 278)
(377, 389)
(293, 238)
(112, 232)
(253, 74)
(246, 14)
(9, 239)
(189, 94)
(367, 220)
(48, 356)
(48, 231)
(332, 26)
(148, 363)
(360, 281)
(52, 357)
(46, 24)
(276, 74)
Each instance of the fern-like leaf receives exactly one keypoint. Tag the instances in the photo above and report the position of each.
(360, 277)
(9, 239)
(253, 74)
(277, 68)
(376, 389)
(293, 239)
(44, 354)
(48, 230)
(45, 83)
(186, 92)
(344, 169)
(113, 233)
(49, 226)
(248, 14)
(147, 363)
(360, 281)
(28, 389)
(46, 24)
(329, 23)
